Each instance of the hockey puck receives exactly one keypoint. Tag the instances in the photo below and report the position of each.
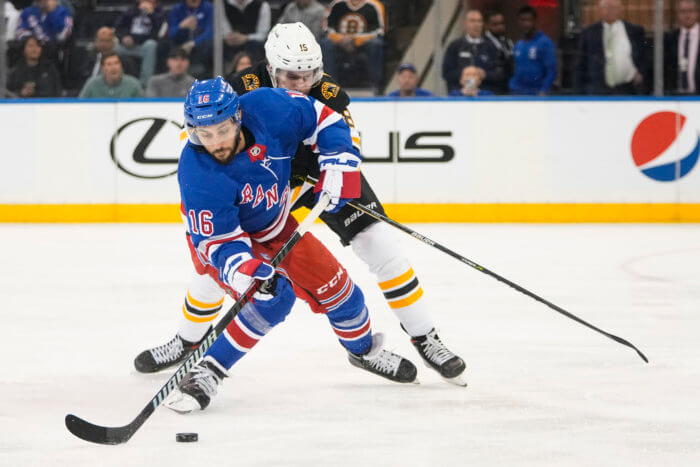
(186, 437)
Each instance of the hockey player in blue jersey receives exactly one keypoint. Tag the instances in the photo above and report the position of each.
(234, 185)
(294, 61)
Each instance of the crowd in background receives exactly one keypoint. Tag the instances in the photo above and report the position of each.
(157, 48)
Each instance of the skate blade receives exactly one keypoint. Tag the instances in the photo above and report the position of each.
(457, 381)
(181, 403)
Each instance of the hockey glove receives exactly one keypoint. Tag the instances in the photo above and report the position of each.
(249, 271)
(340, 179)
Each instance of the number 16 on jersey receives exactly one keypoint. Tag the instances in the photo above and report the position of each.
(200, 224)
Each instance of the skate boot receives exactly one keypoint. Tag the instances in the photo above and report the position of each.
(438, 357)
(164, 356)
(197, 387)
(385, 363)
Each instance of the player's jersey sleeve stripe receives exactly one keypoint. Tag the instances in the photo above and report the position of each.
(325, 117)
(208, 246)
(232, 263)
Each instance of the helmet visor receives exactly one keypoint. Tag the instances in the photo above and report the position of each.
(295, 80)
(213, 135)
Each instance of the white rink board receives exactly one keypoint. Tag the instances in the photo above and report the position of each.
(503, 152)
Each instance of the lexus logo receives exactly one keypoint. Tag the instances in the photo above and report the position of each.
(145, 147)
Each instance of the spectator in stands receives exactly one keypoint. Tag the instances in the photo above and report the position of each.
(473, 50)
(112, 82)
(355, 26)
(241, 61)
(496, 33)
(470, 83)
(612, 54)
(191, 26)
(407, 79)
(682, 51)
(245, 27)
(138, 30)
(105, 42)
(309, 12)
(176, 82)
(49, 22)
(11, 21)
(34, 77)
(535, 57)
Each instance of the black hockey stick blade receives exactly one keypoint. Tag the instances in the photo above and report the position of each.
(99, 434)
(118, 435)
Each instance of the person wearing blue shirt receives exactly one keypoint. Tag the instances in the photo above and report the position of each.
(191, 27)
(49, 22)
(408, 83)
(535, 57)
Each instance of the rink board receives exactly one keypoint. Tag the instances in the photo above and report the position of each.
(428, 160)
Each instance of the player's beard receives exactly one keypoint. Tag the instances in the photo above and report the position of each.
(226, 154)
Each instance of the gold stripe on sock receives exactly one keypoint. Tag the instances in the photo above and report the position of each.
(202, 305)
(198, 319)
(410, 300)
(397, 280)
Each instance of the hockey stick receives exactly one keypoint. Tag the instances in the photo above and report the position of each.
(118, 435)
(480, 268)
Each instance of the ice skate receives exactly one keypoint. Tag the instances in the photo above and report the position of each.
(164, 356)
(438, 357)
(197, 387)
(384, 363)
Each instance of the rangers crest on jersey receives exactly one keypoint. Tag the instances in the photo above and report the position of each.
(329, 90)
(257, 153)
(250, 81)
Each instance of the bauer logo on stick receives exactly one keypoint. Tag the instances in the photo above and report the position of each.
(665, 146)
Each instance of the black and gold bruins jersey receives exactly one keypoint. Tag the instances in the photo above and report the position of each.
(326, 90)
(368, 19)
(347, 222)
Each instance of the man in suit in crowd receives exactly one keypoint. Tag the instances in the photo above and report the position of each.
(496, 33)
(681, 70)
(473, 49)
(612, 54)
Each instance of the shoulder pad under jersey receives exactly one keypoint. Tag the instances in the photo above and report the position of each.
(251, 78)
(330, 93)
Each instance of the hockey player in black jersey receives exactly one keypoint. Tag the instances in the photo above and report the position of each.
(294, 61)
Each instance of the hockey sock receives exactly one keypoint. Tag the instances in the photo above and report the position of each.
(354, 332)
(378, 248)
(251, 324)
(197, 317)
(202, 305)
(237, 339)
(404, 295)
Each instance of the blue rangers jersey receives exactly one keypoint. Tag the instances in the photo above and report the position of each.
(224, 206)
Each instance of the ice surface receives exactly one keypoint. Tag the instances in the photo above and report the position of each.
(80, 301)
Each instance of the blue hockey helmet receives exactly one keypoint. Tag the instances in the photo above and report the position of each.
(210, 102)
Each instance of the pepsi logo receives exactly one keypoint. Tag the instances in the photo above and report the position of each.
(665, 146)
